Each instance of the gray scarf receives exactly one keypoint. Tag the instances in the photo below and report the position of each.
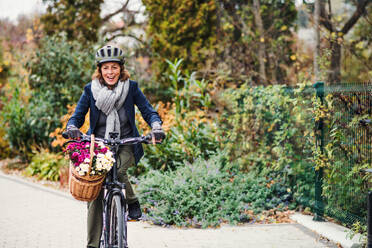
(109, 102)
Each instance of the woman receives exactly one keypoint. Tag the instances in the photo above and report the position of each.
(111, 97)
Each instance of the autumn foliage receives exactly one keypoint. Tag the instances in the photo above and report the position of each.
(57, 133)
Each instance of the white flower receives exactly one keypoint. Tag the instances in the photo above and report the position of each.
(104, 162)
(108, 166)
(99, 166)
(84, 167)
(86, 160)
(81, 173)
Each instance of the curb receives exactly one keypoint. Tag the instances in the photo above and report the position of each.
(331, 231)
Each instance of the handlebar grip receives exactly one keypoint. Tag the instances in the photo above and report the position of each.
(148, 139)
(65, 135)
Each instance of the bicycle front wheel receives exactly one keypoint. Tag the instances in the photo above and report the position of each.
(117, 224)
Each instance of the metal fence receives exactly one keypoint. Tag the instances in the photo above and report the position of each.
(344, 137)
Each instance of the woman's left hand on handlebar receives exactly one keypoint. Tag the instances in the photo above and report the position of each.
(157, 133)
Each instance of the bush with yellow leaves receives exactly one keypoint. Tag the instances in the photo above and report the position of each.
(57, 133)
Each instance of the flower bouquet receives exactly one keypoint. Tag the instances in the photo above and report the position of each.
(80, 158)
(89, 163)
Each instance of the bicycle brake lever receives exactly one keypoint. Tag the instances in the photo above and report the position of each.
(65, 135)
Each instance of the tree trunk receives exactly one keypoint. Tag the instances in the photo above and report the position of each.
(317, 40)
(334, 76)
(261, 46)
(335, 73)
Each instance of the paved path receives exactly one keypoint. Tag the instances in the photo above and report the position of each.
(37, 217)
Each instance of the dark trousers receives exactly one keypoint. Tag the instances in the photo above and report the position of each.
(95, 208)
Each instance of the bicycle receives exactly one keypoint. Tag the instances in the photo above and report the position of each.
(115, 210)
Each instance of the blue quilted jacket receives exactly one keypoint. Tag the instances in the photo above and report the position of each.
(134, 97)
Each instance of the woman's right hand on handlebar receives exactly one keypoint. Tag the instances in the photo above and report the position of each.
(72, 132)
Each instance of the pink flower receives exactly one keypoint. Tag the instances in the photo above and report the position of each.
(71, 146)
(81, 159)
(79, 152)
(74, 155)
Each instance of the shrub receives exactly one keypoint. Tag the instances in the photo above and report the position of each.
(46, 165)
(206, 194)
(5, 151)
(346, 151)
(57, 133)
(191, 133)
(187, 140)
(58, 70)
(269, 130)
(5, 68)
(16, 123)
(267, 125)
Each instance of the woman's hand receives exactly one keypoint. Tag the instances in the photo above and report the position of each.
(73, 132)
(157, 133)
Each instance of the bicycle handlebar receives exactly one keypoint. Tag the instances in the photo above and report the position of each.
(112, 142)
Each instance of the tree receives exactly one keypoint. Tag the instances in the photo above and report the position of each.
(16, 35)
(357, 52)
(260, 29)
(130, 24)
(256, 38)
(317, 39)
(4, 70)
(181, 29)
(81, 20)
(337, 32)
(233, 40)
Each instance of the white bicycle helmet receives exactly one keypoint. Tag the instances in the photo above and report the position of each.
(109, 54)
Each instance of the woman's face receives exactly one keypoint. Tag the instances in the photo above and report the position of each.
(110, 72)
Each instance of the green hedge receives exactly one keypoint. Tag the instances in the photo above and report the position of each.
(269, 130)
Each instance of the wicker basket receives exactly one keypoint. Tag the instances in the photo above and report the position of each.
(85, 188)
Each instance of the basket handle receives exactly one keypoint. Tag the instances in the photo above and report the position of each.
(91, 152)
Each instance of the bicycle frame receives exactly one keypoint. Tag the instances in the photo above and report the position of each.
(112, 187)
